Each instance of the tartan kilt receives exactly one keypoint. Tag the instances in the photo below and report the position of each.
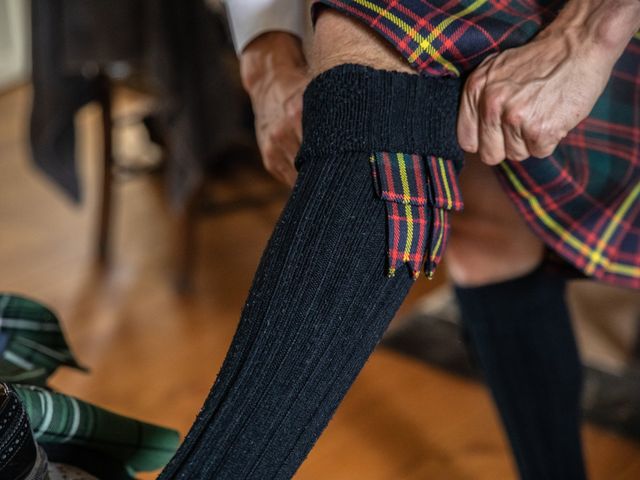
(583, 201)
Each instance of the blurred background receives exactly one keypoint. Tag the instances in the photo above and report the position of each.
(134, 205)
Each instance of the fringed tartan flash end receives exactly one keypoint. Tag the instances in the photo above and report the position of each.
(419, 191)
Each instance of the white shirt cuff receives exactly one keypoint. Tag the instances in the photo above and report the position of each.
(251, 18)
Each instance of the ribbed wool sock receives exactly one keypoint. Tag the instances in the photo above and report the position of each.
(521, 333)
(321, 299)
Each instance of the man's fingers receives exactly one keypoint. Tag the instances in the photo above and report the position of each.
(293, 110)
(542, 149)
(468, 126)
(491, 142)
(284, 168)
(515, 147)
(273, 159)
(491, 145)
(279, 150)
(288, 173)
(543, 138)
(468, 121)
(287, 141)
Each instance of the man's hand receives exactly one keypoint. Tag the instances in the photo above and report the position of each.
(274, 73)
(522, 102)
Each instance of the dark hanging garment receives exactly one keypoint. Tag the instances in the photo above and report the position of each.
(179, 50)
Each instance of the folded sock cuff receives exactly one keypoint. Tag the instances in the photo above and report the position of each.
(358, 108)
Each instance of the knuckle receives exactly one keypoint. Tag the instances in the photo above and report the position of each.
(542, 148)
(514, 117)
(560, 135)
(276, 135)
(493, 105)
(535, 134)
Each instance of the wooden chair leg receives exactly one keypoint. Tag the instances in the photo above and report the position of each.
(105, 202)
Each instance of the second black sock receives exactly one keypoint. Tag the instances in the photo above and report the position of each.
(522, 336)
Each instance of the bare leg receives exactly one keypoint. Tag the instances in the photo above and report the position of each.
(340, 39)
(490, 241)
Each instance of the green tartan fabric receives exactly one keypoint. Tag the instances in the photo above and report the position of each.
(32, 347)
(58, 418)
(32, 343)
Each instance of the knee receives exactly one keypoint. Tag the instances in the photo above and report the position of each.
(490, 241)
(482, 251)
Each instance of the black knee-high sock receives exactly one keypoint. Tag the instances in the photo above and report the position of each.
(521, 333)
(321, 299)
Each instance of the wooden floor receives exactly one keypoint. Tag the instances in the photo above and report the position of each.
(154, 354)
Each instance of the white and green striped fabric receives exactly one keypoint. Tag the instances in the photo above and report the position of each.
(58, 418)
(32, 343)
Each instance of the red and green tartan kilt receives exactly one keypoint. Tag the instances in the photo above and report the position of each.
(584, 200)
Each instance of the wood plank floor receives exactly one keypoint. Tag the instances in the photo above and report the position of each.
(154, 354)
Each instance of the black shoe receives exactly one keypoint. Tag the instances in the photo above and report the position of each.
(434, 335)
(20, 458)
(613, 401)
